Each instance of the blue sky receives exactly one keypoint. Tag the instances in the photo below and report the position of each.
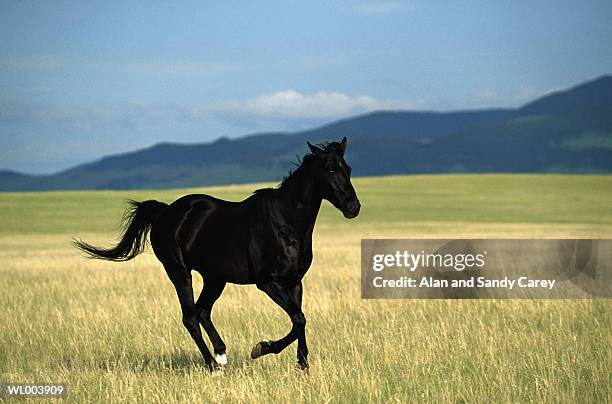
(79, 80)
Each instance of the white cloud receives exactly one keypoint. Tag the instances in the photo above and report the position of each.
(280, 110)
(291, 104)
(379, 8)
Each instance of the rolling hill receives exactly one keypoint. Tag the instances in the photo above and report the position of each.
(568, 131)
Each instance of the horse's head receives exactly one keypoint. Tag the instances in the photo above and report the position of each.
(333, 177)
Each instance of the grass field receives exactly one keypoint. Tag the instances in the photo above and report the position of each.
(112, 332)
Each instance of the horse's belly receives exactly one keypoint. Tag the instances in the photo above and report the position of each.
(219, 250)
(228, 265)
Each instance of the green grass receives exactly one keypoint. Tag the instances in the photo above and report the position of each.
(112, 332)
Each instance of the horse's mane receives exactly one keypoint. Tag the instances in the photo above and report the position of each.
(300, 163)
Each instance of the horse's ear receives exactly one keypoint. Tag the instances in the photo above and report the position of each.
(343, 145)
(318, 153)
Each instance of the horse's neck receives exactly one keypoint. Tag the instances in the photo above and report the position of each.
(301, 204)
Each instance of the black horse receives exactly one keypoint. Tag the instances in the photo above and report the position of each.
(264, 240)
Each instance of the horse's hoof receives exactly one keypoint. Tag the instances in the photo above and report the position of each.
(217, 371)
(214, 368)
(260, 349)
(302, 367)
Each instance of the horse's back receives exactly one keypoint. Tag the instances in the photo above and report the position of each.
(207, 234)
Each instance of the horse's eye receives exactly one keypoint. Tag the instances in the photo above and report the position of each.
(330, 171)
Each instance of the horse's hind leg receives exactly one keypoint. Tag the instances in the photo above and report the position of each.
(181, 278)
(210, 293)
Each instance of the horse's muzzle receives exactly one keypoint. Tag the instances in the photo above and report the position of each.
(352, 209)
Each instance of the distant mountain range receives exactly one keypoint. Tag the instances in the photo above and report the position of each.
(566, 132)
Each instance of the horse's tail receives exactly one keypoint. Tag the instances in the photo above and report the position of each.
(136, 223)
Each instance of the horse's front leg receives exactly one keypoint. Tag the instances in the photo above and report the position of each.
(290, 300)
(302, 350)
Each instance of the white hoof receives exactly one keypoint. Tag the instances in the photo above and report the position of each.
(221, 359)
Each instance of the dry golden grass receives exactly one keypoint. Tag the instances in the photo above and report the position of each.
(112, 332)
